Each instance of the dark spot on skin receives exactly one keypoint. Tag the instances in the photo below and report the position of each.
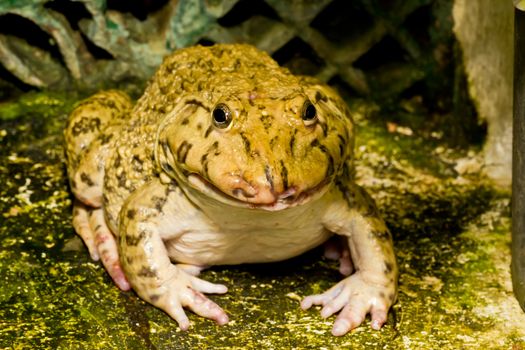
(284, 176)
(382, 295)
(122, 178)
(342, 143)
(247, 145)
(185, 121)
(73, 184)
(107, 103)
(319, 97)
(118, 161)
(105, 138)
(154, 298)
(292, 141)
(98, 227)
(137, 163)
(86, 179)
(182, 151)
(129, 260)
(391, 296)
(204, 164)
(133, 241)
(273, 141)
(158, 202)
(388, 268)
(215, 147)
(266, 120)
(208, 131)
(85, 125)
(330, 167)
(199, 126)
(268, 175)
(130, 214)
(147, 271)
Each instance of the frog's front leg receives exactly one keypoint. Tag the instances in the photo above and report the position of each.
(149, 218)
(372, 288)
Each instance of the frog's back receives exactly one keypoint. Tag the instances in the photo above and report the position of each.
(206, 71)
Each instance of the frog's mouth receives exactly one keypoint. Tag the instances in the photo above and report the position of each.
(265, 199)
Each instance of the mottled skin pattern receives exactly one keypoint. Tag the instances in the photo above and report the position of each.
(227, 158)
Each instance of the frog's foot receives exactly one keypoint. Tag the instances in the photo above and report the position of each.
(183, 290)
(336, 248)
(91, 227)
(355, 297)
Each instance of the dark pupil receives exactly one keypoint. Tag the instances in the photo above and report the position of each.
(219, 115)
(309, 112)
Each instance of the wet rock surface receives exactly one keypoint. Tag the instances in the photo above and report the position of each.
(451, 231)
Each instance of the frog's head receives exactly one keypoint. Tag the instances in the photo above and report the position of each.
(268, 143)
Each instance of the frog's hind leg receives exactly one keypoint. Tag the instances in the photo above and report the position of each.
(87, 179)
(89, 133)
(91, 226)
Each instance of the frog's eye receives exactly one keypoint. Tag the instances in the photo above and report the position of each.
(309, 113)
(222, 116)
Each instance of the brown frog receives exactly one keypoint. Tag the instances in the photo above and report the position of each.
(227, 158)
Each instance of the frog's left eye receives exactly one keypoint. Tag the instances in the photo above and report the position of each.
(221, 116)
(309, 113)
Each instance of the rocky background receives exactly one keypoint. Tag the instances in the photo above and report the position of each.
(403, 55)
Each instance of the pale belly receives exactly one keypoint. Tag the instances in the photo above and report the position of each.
(253, 245)
(212, 233)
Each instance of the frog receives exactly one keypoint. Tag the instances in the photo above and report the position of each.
(227, 158)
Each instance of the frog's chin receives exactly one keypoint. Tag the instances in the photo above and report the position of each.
(288, 199)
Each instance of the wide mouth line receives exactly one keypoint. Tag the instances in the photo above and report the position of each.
(288, 198)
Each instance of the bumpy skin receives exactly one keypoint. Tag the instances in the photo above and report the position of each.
(164, 190)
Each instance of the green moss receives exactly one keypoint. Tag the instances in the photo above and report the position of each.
(451, 233)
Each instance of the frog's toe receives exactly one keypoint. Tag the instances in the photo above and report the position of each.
(202, 306)
(83, 228)
(175, 311)
(352, 315)
(207, 287)
(379, 316)
(107, 249)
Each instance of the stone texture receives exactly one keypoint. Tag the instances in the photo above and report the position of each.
(484, 29)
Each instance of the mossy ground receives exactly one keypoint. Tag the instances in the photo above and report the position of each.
(451, 229)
